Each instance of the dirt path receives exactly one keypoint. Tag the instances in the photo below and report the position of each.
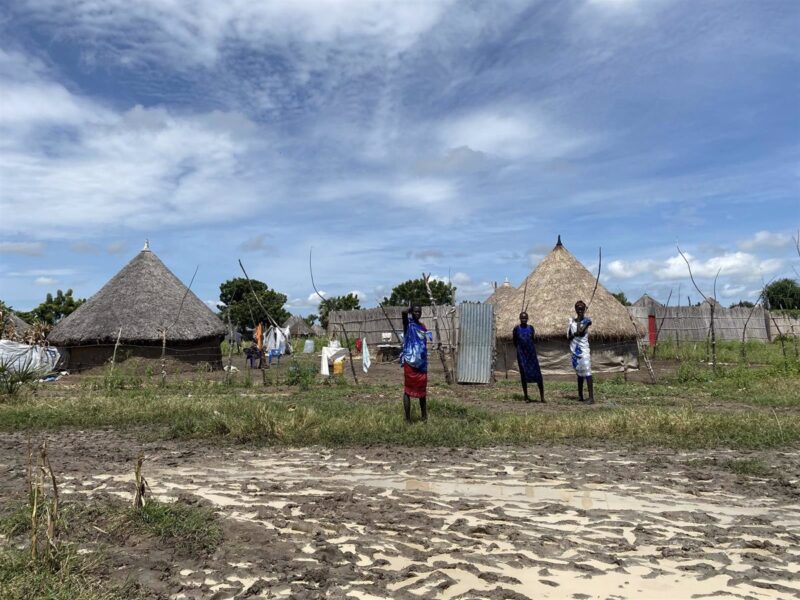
(492, 523)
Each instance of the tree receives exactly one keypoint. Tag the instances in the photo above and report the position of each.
(623, 299)
(244, 308)
(310, 319)
(742, 304)
(53, 309)
(413, 291)
(348, 302)
(783, 293)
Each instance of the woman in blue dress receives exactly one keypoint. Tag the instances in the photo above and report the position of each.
(529, 370)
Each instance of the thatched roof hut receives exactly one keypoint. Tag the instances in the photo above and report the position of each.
(647, 301)
(552, 289)
(143, 300)
(501, 293)
(12, 326)
(298, 327)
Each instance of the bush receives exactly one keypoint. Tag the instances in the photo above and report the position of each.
(13, 379)
(300, 375)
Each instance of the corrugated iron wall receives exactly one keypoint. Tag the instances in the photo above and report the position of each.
(476, 343)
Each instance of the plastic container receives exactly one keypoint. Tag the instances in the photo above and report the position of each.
(338, 367)
(308, 347)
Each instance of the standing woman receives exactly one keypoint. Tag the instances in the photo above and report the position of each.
(578, 335)
(414, 358)
(529, 370)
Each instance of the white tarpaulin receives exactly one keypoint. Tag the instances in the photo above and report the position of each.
(18, 357)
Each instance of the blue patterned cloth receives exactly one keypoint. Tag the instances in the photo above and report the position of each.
(527, 358)
(579, 348)
(415, 349)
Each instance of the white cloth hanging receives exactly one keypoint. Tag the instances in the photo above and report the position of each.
(365, 358)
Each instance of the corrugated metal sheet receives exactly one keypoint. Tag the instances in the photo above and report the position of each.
(476, 343)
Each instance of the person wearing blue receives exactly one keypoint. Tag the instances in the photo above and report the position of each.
(414, 358)
(529, 370)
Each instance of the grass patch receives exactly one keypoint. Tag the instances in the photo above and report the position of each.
(69, 579)
(734, 406)
(751, 467)
(193, 529)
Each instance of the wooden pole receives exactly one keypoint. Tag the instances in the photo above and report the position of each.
(116, 345)
(448, 376)
(163, 356)
(230, 349)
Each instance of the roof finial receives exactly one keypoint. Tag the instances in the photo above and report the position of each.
(558, 243)
(146, 246)
(506, 283)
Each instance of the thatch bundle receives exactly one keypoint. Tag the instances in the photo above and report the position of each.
(143, 299)
(553, 287)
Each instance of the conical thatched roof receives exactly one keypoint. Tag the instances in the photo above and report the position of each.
(143, 298)
(553, 287)
(647, 301)
(501, 293)
(12, 323)
(297, 326)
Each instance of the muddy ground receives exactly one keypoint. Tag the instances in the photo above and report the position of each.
(555, 522)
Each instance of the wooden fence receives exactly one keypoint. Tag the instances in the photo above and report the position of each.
(692, 323)
(372, 324)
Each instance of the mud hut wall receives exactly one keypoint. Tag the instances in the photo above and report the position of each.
(608, 356)
(87, 356)
(371, 324)
(692, 323)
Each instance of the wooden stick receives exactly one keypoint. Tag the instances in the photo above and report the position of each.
(116, 345)
(448, 376)
(597, 280)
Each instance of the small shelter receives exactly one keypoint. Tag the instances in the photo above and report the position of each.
(144, 306)
(12, 327)
(501, 293)
(298, 327)
(647, 301)
(549, 297)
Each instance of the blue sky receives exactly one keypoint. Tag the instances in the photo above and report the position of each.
(458, 138)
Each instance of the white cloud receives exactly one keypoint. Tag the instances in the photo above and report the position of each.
(510, 134)
(359, 294)
(313, 297)
(424, 192)
(733, 291)
(45, 281)
(194, 32)
(766, 239)
(25, 248)
(742, 265)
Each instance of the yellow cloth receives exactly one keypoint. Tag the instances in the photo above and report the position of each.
(260, 336)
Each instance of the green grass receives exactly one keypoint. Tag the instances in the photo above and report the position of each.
(193, 529)
(327, 416)
(69, 579)
(734, 406)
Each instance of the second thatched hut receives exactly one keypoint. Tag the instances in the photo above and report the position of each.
(143, 305)
(549, 297)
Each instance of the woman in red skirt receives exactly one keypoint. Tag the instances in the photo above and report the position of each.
(414, 359)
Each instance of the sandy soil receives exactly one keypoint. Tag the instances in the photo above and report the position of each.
(424, 523)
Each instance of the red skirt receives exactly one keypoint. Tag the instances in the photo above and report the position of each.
(415, 382)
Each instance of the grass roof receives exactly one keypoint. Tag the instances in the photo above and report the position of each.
(553, 288)
(143, 299)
